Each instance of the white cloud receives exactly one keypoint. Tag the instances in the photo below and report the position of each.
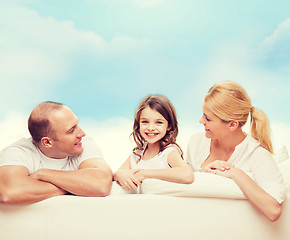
(262, 69)
(281, 34)
(37, 52)
(142, 3)
(13, 127)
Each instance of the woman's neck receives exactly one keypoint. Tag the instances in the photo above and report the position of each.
(229, 143)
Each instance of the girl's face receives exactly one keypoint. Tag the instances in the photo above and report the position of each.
(215, 128)
(153, 126)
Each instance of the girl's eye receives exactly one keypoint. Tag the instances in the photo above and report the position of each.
(144, 121)
(159, 122)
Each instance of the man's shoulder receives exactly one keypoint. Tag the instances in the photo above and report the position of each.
(23, 143)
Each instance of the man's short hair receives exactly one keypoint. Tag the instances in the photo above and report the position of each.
(39, 125)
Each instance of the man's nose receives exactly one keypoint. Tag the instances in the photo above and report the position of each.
(81, 133)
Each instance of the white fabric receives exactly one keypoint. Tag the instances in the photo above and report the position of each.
(204, 185)
(249, 156)
(157, 162)
(25, 153)
(142, 217)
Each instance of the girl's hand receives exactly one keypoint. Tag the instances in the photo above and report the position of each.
(218, 167)
(140, 175)
(126, 178)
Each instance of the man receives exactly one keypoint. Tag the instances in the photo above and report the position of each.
(54, 161)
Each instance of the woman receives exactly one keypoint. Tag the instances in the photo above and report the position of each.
(224, 148)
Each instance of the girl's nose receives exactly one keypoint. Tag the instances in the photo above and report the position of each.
(150, 126)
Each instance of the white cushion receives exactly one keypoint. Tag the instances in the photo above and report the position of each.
(118, 190)
(204, 185)
(285, 170)
(281, 155)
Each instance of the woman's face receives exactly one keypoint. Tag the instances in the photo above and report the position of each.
(215, 128)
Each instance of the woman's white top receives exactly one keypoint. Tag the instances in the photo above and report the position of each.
(157, 162)
(249, 156)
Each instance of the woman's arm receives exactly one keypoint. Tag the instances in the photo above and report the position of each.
(125, 176)
(260, 199)
(180, 171)
(256, 195)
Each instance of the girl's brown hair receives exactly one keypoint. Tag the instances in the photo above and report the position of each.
(162, 105)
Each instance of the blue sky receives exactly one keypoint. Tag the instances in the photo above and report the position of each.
(101, 57)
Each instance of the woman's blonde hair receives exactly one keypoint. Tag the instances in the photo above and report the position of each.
(229, 101)
(162, 105)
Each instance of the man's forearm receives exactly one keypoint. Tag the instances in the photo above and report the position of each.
(82, 182)
(28, 191)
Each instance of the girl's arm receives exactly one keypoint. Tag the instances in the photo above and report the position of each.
(260, 199)
(125, 176)
(180, 171)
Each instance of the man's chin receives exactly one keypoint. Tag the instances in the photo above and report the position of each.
(77, 152)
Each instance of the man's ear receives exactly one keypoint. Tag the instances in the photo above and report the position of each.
(234, 125)
(46, 142)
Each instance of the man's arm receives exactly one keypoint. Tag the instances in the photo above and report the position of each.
(17, 187)
(92, 179)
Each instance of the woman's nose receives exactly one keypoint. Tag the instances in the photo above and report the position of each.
(201, 120)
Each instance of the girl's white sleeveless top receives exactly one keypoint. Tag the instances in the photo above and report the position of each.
(157, 162)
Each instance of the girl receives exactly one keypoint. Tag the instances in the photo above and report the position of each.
(157, 154)
(224, 148)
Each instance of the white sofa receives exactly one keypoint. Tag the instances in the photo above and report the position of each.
(205, 210)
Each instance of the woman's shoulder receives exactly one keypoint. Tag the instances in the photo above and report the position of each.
(254, 146)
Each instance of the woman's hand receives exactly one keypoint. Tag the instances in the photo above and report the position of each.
(218, 167)
(127, 179)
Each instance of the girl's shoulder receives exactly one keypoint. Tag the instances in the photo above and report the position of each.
(171, 147)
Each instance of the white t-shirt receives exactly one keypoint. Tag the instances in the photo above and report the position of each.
(249, 156)
(25, 153)
(157, 162)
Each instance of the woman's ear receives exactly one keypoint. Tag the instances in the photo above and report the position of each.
(46, 142)
(234, 125)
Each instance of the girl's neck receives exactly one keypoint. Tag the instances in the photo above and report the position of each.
(151, 151)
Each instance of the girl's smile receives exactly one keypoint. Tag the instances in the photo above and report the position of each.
(153, 126)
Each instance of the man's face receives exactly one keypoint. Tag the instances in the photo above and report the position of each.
(68, 133)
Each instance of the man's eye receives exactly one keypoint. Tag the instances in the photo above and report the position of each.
(71, 131)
